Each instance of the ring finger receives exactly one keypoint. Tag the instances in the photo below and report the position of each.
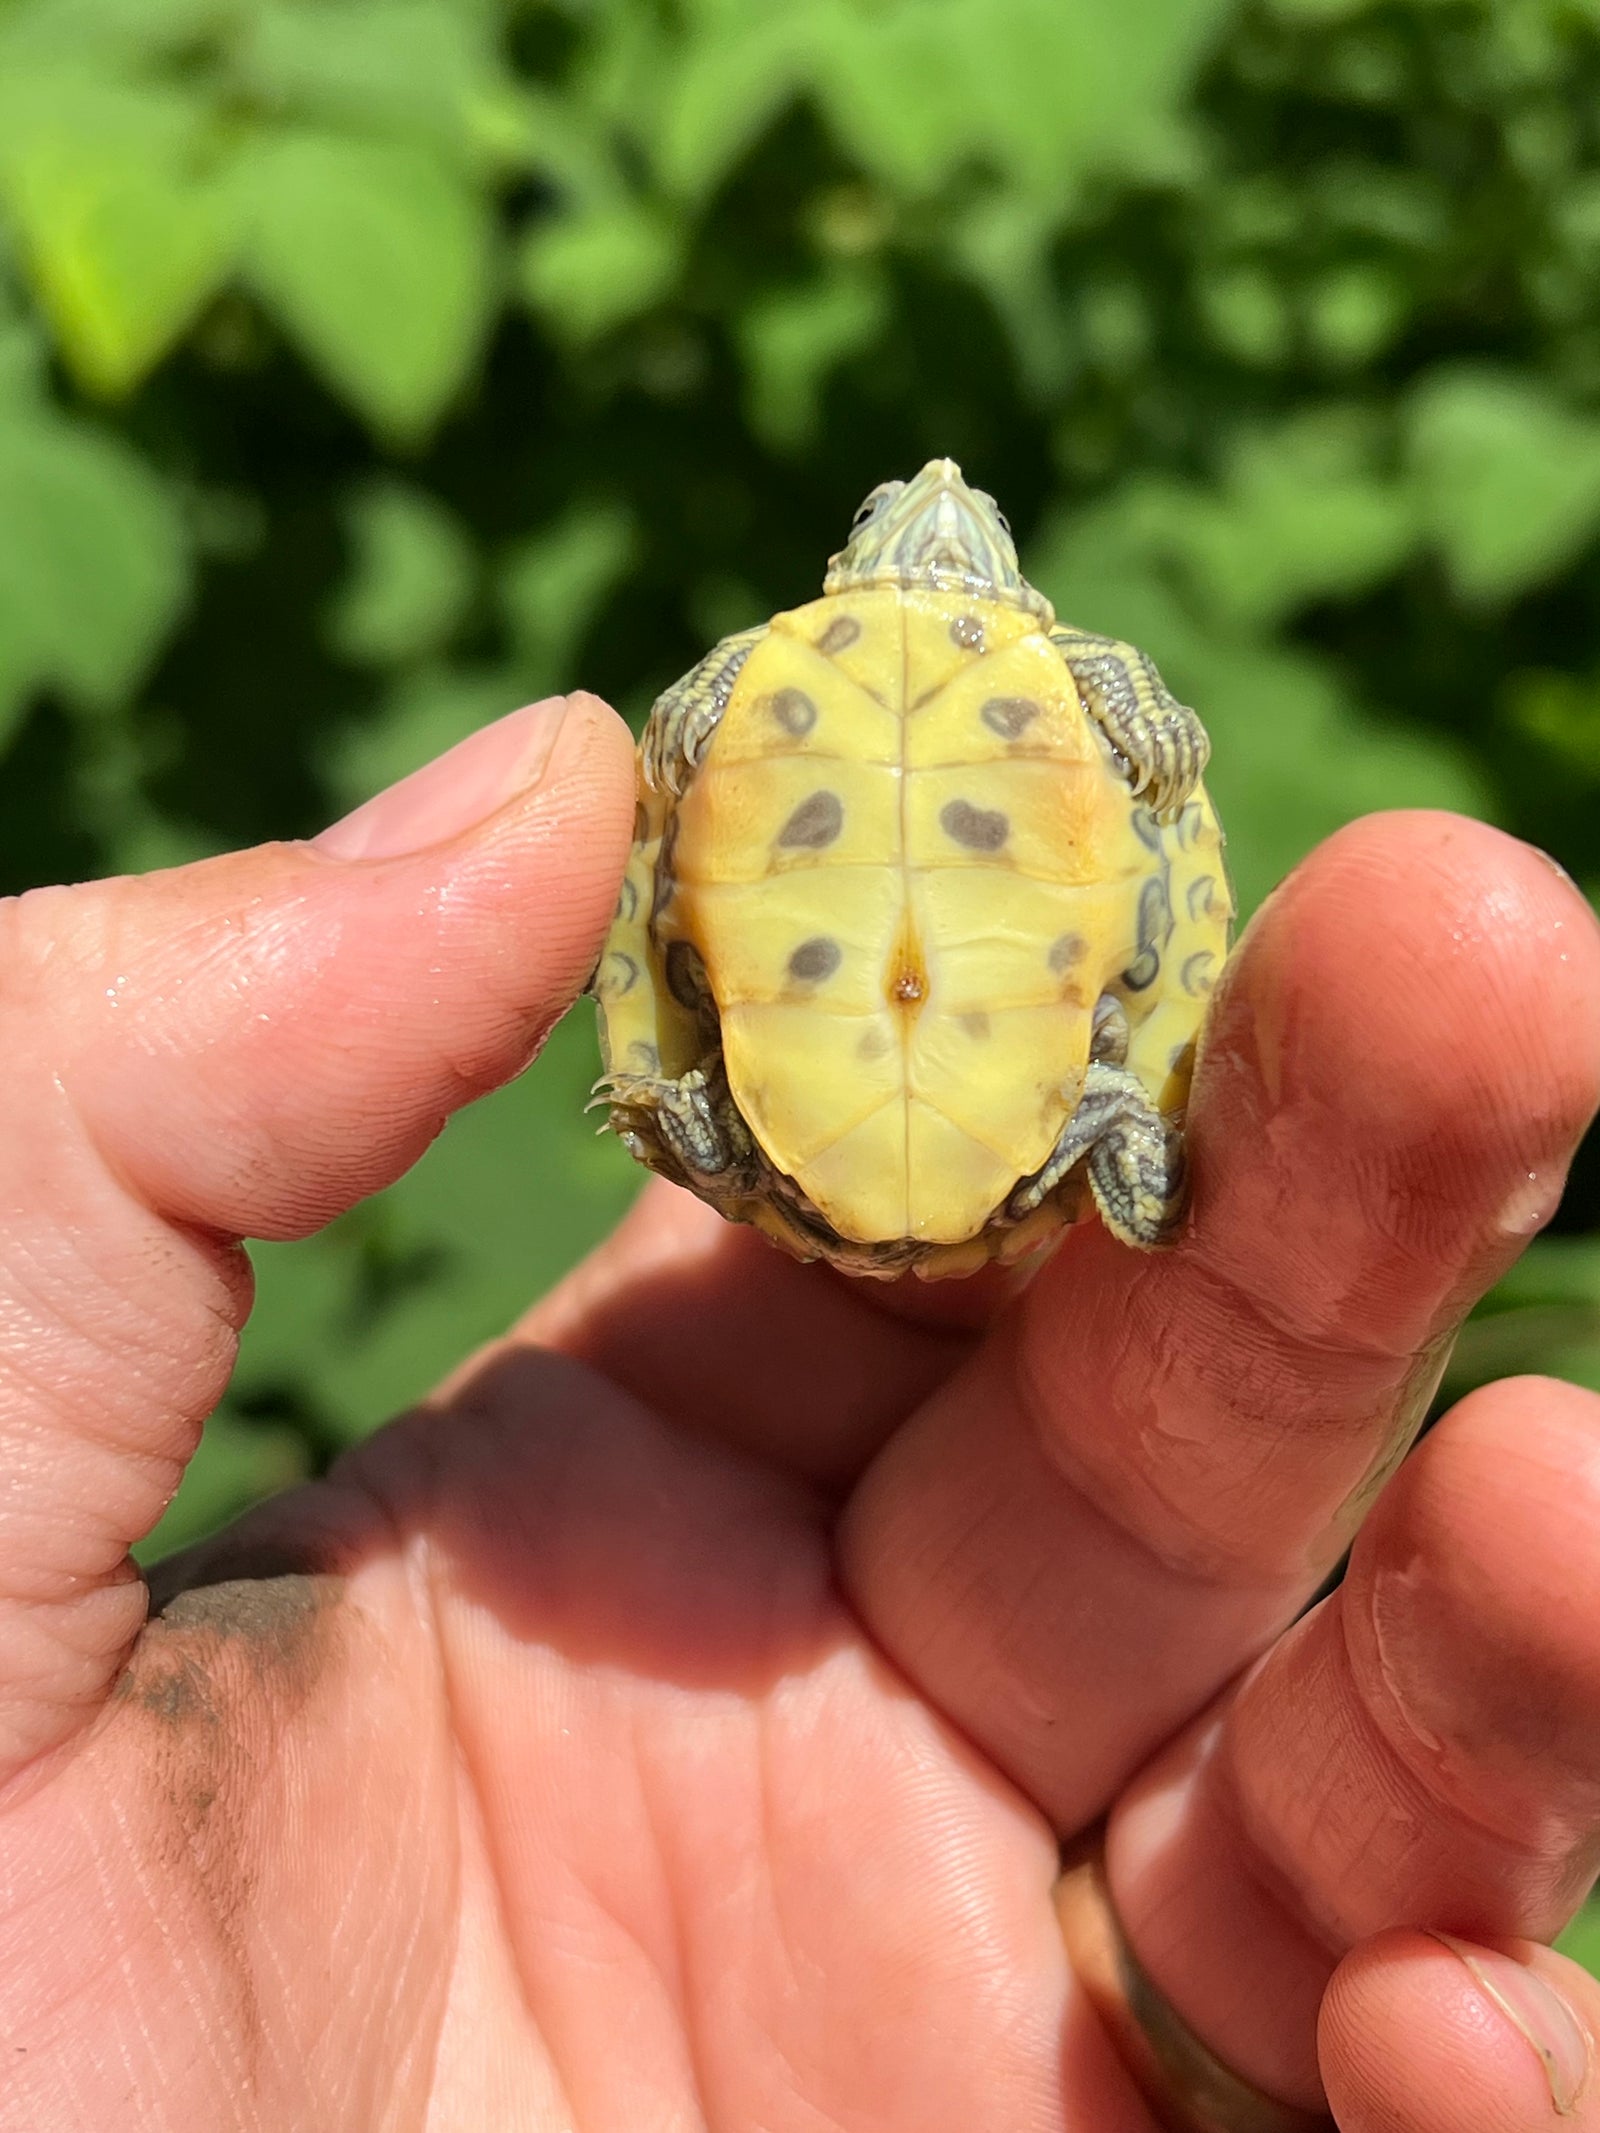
(1422, 1750)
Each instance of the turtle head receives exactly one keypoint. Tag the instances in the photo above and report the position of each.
(935, 532)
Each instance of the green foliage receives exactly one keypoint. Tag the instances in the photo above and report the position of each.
(369, 366)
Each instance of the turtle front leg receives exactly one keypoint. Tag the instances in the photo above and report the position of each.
(684, 717)
(1160, 741)
(1135, 1158)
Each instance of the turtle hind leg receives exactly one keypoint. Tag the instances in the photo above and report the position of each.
(1134, 1160)
(688, 1128)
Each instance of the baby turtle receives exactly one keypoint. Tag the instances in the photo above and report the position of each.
(924, 905)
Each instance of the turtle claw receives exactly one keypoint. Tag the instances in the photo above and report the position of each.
(1132, 1155)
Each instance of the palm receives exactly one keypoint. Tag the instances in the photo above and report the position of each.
(674, 1723)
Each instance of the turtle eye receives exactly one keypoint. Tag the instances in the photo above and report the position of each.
(1001, 520)
(880, 494)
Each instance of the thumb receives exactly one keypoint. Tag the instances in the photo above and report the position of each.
(244, 1048)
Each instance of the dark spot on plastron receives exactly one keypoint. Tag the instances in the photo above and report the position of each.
(794, 711)
(874, 1042)
(1066, 950)
(1189, 823)
(979, 829)
(840, 634)
(627, 898)
(975, 1024)
(641, 823)
(1009, 716)
(686, 974)
(815, 823)
(967, 631)
(815, 959)
(1196, 976)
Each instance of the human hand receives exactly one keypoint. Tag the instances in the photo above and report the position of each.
(673, 1722)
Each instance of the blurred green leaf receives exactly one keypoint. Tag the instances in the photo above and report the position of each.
(588, 272)
(1560, 713)
(1507, 479)
(1355, 311)
(1543, 1317)
(1582, 1939)
(1302, 512)
(411, 577)
(419, 70)
(793, 340)
(426, 710)
(375, 256)
(739, 68)
(94, 564)
(513, 1191)
(125, 208)
(551, 587)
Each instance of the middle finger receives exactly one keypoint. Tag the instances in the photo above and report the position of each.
(1153, 1462)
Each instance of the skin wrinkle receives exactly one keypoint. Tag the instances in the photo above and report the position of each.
(1204, 1558)
(1412, 1788)
(1427, 1771)
(676, 1987)
(1261, 1871)
(426, 1574)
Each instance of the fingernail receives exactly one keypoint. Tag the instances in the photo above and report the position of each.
(1534, 2007)
(457, 790)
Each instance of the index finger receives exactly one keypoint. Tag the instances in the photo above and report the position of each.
(1151, 1465)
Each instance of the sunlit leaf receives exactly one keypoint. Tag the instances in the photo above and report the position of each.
(1581, 1940)
(422, 70)
(733, 77)
(375, 257)
(125, 207)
